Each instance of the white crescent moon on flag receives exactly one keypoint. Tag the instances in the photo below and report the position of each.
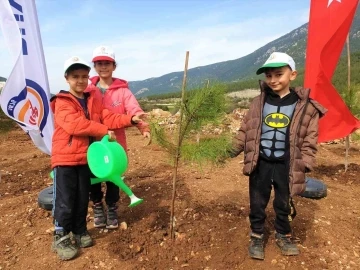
(330, 1)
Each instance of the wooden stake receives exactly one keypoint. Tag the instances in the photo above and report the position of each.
(177, 152)
(347, 139)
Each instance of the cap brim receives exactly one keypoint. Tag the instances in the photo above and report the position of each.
(82, 64)
(103, 58)
(270, 65)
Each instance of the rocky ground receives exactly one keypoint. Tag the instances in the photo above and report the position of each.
(211, 215)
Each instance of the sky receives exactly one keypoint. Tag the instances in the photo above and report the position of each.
(150, 38)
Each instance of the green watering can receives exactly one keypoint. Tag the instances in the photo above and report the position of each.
(108, 161)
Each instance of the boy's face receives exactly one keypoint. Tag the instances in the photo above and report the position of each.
(104, 68)
(278, 79)
(77, 80)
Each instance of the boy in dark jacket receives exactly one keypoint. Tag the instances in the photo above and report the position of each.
(278, 136)
(79, 119)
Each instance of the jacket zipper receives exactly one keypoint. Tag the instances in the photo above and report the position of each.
(70, 140)
(87, 115)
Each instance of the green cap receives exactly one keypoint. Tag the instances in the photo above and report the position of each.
(277, 59)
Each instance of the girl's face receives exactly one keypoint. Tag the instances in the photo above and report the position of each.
(104, 68)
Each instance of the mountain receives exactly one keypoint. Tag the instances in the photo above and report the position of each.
(2, 79)
(293, 43)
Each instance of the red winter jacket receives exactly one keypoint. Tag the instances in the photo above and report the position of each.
(73, 128)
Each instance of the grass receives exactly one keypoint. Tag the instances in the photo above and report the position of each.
(6, 124)
(355, 137)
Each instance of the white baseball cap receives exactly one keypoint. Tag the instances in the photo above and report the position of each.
(277, 59)
(75, 60)
(103, 53)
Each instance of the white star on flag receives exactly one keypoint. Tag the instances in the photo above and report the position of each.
(330, 1)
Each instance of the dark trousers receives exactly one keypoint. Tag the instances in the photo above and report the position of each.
(71, 197)
(266, 175)
(111, 196)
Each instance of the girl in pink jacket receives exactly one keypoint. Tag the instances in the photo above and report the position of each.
(116, 97)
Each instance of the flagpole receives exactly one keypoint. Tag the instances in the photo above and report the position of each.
(41, 54)
(347, 139)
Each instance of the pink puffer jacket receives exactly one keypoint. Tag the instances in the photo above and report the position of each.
(119, 99)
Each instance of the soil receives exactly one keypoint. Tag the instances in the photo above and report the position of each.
(212, 209)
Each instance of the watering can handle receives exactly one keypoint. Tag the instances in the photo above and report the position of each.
(105, 138)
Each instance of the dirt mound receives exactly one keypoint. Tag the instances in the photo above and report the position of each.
(211, 215)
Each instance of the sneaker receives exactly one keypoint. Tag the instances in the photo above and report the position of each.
(112, 217)
(256, 247)
(288, 248)
(83, 240)
(99, 215)
(63, 246)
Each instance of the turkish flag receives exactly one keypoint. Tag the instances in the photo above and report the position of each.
(329, 24)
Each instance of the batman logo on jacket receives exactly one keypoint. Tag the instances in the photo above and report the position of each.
(277, 120)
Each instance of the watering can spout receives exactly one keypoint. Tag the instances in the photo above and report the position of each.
(119, 181)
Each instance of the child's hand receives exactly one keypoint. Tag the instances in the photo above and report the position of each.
(112, 136)
(147, 135)
(139, 117)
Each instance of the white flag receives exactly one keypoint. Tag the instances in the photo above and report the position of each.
(25, 96)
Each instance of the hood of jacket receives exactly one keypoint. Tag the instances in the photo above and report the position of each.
(117, 83)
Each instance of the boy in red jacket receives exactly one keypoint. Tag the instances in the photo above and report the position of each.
(79, 119)
(116, 97)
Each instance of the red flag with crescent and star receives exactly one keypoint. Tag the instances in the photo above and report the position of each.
(329, 25)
